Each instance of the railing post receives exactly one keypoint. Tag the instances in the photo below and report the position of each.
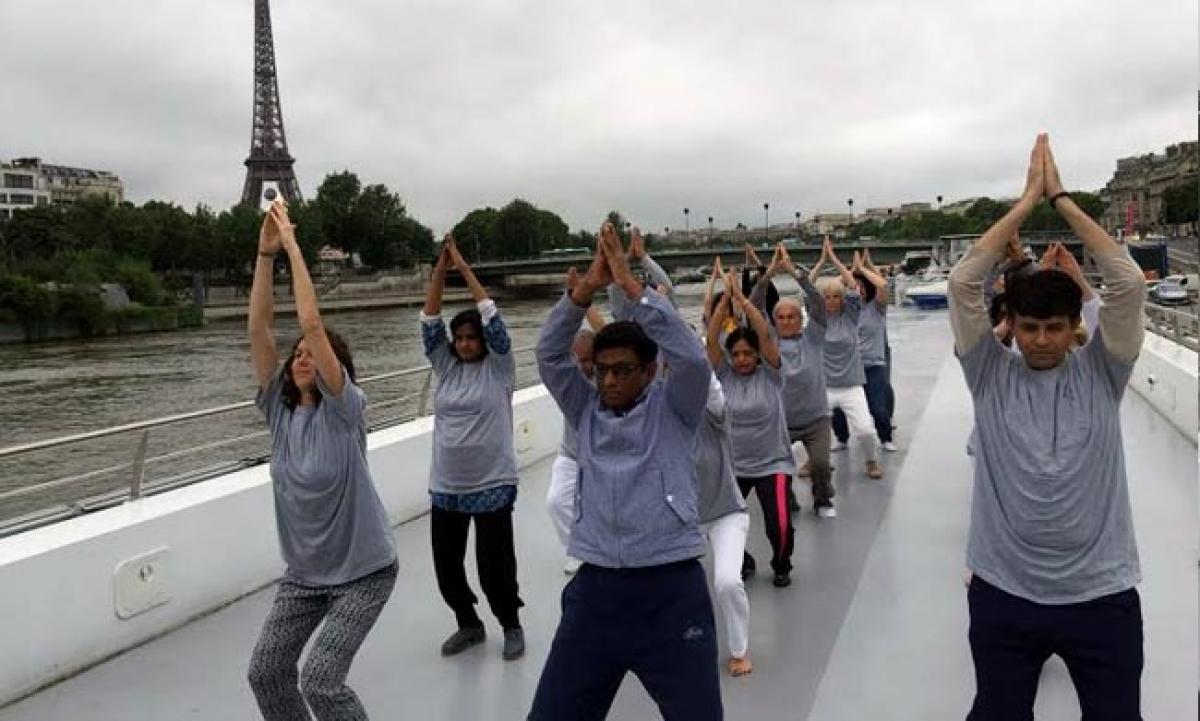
(139, 467)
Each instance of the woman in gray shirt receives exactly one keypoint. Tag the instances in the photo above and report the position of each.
(474, 472)
(762, 454)
(333, 531)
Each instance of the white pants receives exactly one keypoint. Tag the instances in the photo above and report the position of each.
(853, 402)
(560, 497)
(727, 536)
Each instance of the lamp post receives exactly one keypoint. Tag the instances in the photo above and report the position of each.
(687, 226)
(939, 199)
(850, 205)
(767, 222)
(710, 231)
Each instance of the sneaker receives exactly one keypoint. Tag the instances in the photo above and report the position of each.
(827, 511)
(782, 579)
(873, 470)
(571, 566)
(837, 446)
(748, 566)
(461, 640)
(890, 447)
(514, 644)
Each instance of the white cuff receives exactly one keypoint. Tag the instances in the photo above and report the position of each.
(428, 318)
(487, 309)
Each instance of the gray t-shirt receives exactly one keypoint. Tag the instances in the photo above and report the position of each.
(872, 335)
(758, 432)
(803, 367)
(717, 488)
(843, 364)
(472, 422)
(1050, 516)
(332, 526)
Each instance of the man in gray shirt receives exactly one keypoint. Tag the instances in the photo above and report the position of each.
(640, 602)
(1051, 545)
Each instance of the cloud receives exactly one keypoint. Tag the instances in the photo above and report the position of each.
(583, 107)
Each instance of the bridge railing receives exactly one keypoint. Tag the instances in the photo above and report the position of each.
(115, 473)
(1179, 327)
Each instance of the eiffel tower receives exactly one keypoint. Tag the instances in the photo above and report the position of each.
(269, 160)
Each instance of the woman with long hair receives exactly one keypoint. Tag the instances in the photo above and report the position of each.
(334, 533)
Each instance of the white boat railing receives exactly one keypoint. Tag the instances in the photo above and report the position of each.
(1179, 327)
(135, 485)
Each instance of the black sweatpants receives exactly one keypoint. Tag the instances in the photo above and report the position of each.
(1099, 640)
(656, 622)
(777, 516)
(495, 557)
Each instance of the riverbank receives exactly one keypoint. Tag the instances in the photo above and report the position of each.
(131, 320)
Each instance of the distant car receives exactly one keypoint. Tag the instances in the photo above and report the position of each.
(1169, 292)
(1189, 281)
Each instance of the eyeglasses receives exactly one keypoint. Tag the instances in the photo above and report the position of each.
(620, 370)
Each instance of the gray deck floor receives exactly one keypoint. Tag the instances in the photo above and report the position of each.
(873, 628)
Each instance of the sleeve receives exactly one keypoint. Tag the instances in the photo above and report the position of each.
(853, 305)
(814, 302)
(495, 332)
(968, 313)
(1124, 295)
(773, 376)
(758, 295)
(658, 276)
(716, 397)
(557, 367)
(982, 362)
(351, 406)
(1091, 315)
(1115, 371)
(687, 383)
(619, 306)
(436, 343)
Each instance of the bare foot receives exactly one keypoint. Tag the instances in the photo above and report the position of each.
(740, 666)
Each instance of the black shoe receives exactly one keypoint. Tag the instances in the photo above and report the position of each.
(782, 579)
(748, 566)
(514, 644)
(461, 640)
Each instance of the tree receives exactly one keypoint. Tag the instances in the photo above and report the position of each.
(335, 201)
(477, 234)
(1179, 203)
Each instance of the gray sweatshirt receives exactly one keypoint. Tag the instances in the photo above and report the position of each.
(636, 502)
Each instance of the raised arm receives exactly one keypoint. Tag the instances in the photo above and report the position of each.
(875, 277)
(712, 339)
(1124, 296)
(706, 304)
(478, 292)
(556, 364)
(495, 332)
(813, 301)
(767, 347)
(968, 311)
(437, 281)
(820, 264)
(263, 354)
(844, 272)
(329, 368)
(687, 383)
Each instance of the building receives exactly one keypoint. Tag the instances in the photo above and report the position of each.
(959, 207)
(1133, 197)
(28, 182)
(906, 208)
(827, 223)
(883, 214)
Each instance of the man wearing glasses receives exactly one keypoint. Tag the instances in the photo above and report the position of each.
(640, 602)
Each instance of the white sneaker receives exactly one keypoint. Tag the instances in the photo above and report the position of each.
(827, 511)
(571, 566)
(838, 446)
(890, 447)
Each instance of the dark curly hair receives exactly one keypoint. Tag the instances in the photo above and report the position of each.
(1044, 294)
(869, 289)
(742, 333)
(626, 334)
(291, 392)
(473, 318)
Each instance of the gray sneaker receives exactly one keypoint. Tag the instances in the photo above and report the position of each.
(461, 640)
(514, 644)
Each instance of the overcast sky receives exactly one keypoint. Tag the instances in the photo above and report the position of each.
(647, 106)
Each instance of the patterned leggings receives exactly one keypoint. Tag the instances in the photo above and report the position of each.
(349, 611)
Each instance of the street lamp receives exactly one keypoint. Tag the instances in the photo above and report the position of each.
(710, 232)
(767, 221)
(939, 202)
(850, 204)
(687, 226)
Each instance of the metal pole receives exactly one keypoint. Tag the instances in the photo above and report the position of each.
(139, 467)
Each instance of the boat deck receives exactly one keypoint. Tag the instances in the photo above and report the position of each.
(874, 627)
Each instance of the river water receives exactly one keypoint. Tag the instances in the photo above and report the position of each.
(63, 388)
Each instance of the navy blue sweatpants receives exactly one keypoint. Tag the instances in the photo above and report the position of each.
(655, 622)
(1100, 641)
